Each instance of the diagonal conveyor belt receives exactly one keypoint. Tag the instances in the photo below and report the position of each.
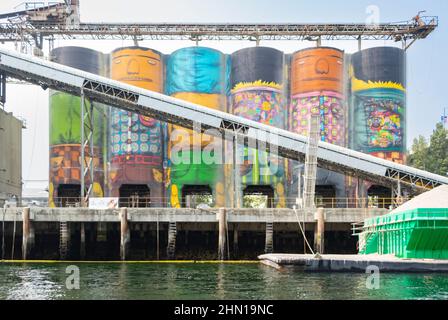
(165, 108)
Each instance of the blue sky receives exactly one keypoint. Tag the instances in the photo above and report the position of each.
(427, 62)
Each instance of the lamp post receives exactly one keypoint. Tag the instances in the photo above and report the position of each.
(444, 118)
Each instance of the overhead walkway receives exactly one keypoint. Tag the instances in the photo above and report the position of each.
(286, 144)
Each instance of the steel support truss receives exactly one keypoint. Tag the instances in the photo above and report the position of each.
(400, 31)
(87, 159)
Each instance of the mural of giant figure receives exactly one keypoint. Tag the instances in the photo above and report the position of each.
(137, 141)
(378, 109)
(65, 131)
(257, 93)
(198, 75)
(379, 102)
(317, 87)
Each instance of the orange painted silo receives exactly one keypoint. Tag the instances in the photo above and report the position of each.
(317, 88)
(317, 69)
(140, 67)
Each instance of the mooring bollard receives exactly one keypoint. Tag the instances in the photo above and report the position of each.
(319, 231)
(83, 241)
(125, 234)
(27, 234)
(235, 241)
(222, 233)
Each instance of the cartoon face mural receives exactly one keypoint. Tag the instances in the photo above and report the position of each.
(264, 105)
(316, 88)
(136, 141)
(137, 66)
(135, 135)
(379, 118)
(197, 75)
(257, 94)
(317, 69)
(379, 102)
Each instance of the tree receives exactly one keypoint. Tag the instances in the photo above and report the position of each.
(255, 201)
(438, 151)
(418, 156)
(432, 157)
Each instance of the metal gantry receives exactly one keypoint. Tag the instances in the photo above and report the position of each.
(62, 21)
(400, 31)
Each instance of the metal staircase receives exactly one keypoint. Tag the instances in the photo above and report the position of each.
(172, 233)
(269, 243)
(311, 162)
(63, 240)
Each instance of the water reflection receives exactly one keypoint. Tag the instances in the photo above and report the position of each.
(220, 285)
(209, 281)
(33, 284)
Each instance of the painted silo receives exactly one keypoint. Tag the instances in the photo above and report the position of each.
(137, 142)
(378, 86)
(197, 75)
(257, 93)
(65, 131)
(317, 87)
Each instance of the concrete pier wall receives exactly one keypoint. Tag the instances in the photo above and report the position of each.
(98, 234)
(338, 215)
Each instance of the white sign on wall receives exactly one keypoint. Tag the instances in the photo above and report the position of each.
(103, 203)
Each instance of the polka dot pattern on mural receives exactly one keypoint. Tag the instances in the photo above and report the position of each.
(331, 109)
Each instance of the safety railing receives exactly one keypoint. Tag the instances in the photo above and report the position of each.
(357, 228)
(66, 202)
(267, 202)
(356, 203)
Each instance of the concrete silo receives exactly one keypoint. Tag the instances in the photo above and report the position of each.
(257, 93)
(197, 75)
(137, 142)
(378, 106)
(65, 132)
(317, 87)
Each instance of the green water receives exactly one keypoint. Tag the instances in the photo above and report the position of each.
(208, 281)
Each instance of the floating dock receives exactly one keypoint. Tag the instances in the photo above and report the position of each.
(352, 263)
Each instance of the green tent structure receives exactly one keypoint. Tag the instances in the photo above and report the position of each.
(417, 229)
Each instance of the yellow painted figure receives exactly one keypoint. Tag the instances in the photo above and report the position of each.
(137, 140)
